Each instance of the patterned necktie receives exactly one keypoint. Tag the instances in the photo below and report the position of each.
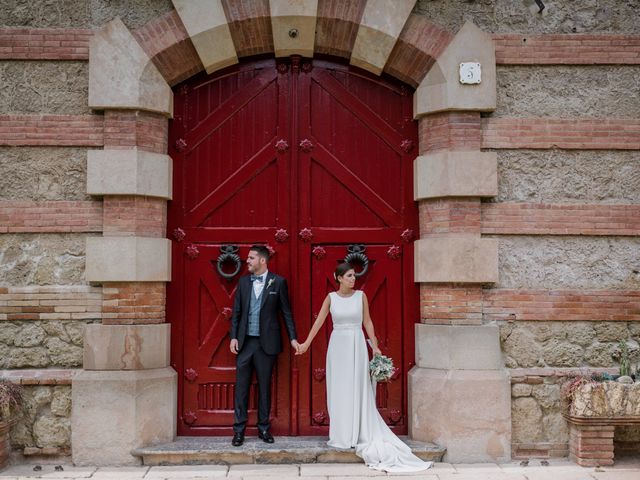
(256, 278)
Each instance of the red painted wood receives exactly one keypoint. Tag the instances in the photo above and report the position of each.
(350, 181)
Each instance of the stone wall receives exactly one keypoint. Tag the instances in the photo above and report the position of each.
(45, 424)
(43, 173)
(44, 87)
(570, 16)
(42, 259)
(565, 344)
(546, 262)
(80, 13)
(562, 176)
(568, 91)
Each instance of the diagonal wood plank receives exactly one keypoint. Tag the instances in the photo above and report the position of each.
(361, 110)
(219, 116)
(353, 183)
(246, 173)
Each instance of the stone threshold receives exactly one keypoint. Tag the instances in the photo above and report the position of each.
(285, 450)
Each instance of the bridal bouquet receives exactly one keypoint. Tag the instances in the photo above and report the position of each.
(381, 368)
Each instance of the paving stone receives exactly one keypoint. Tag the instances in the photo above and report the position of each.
(338, 469)
(615, 475)
(264, 470)
(187, 472)
(472, 467)
(486, 475)
(561, 475)
(117, 473)
(48, 471)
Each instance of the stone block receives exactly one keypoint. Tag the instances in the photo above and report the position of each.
(207, 26)
(455, 174)
(129, 172)
(115, 412)
(380, 27)
(121, 75)
(126, 347)
(288, 16)
(458, 347)
(128, 259)
(466, 411)
(441, 90)
(456, 259)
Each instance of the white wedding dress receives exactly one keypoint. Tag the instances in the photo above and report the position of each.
(353, 416)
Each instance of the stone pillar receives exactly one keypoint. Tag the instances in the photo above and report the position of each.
(126, 396)
(459, 390)
(591, 445)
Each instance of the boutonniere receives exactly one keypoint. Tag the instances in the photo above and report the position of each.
(270, 282)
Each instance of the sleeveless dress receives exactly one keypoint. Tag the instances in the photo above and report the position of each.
(354, 418)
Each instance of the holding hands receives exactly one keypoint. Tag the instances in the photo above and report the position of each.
(303, 348)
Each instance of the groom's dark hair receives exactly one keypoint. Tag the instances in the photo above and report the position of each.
(262, 251)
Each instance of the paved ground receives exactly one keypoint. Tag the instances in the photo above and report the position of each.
(628, 469)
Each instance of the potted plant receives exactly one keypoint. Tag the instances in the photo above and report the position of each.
(10, 402)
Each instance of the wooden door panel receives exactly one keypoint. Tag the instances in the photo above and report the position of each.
(271, 147)
(231, 141)
(208, 303)
(356, 186)
(241, 201)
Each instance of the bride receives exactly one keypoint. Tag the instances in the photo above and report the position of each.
(354, 418)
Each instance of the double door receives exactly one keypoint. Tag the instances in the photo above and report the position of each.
(313, 159)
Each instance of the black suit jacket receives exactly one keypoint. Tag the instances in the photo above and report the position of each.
(275, 297)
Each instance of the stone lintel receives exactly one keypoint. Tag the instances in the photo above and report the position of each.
(466, 411)
(380, 27)
(464, 258)
(441, 90)
(128, 259)
(290, 15)
(122, 76)
(209, 31)
(129, 172)
(126, 347)
(458, 347)
(456, 174)
(115, 412)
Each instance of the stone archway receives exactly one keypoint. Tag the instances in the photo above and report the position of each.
(126, 361)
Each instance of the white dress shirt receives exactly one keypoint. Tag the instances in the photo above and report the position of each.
(259, 286)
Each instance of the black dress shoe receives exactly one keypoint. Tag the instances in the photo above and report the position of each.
(265, 436)
(238, 439)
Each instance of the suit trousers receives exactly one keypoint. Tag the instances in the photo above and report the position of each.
(252, 357)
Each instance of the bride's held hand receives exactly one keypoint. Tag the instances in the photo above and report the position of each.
(303, 348)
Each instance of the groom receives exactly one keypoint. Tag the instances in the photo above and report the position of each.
(255, 338)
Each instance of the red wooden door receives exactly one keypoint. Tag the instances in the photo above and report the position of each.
(310, 158)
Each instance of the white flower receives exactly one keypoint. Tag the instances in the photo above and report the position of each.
(270, 282)
(381, 368)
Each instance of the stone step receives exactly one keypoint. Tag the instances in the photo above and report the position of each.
(218, 450)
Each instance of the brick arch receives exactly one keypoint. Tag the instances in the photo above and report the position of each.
(171, 49)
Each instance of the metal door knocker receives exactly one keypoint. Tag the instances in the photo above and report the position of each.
(356, 253)
(228, 253)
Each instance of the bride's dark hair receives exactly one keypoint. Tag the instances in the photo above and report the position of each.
(341, 269)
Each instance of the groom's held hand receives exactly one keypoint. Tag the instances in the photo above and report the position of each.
(233, 345)
(296, 346)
